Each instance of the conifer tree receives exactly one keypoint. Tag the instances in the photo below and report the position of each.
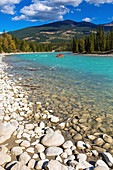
(108, 40)
(76, 44)
(103, 45)
(0, 44)
(91, 43)
(111, 39)
(98, 39)
(87, 44)
(82, 45)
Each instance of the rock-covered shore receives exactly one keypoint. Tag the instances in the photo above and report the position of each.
(25, 145)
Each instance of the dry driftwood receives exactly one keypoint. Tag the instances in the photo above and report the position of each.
(30, 86)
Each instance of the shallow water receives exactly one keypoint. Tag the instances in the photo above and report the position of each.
(72, 85)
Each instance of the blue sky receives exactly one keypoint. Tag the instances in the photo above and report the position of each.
(17, 14)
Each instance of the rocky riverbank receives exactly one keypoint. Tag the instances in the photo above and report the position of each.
(25, 145)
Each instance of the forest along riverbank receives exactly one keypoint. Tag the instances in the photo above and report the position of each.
(36, 145)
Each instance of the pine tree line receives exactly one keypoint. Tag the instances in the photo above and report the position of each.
(97, 42)
(10, 44)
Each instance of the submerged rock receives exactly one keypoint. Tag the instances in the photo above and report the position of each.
(108, 138)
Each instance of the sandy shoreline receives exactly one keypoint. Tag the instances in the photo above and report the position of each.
(5, 54)
(94, 55)
(34, 144)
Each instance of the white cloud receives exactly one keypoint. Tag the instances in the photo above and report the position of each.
(8, 9)
(87, 19)
(8, 6)
(78, 9)
(46, 10)
(98, 2)
(66, 2)
(22, 17)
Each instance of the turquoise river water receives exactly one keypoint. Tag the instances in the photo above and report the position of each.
(72, 85)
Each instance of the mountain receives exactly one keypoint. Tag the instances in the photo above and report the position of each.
(109, 24)
(55, 32)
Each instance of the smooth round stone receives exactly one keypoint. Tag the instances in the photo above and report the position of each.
(30, 150)
(108, 138)
(38, 103)
(40, 148)
(106, 146)
(68, 151)
(95, 153)
(67, 144)
(77, 137)
(101, 163)
(3, 149)
(41, 164)
(99, 141)
(54, 165)
(52, 139)
(4, 158)
(6, 118)
(18, 141)
(26, 135)
(29, 126)
(77, 128)
(64, 155)
(41, 125)
(20, 166)
(49, 130)
(25, 143)
(71, 157)
(16, 151)
(24, 157)
(42, 155)
(73, 148)
(74, 121)
(35, 156)
(58, 158)
(98, 119)
(31, 163)
(81, 156)
(38, 130)
(54, 119)
(80, 145)
(53, 151)
(62, 125)
(108, 158)
(99, 149)
(91, 137)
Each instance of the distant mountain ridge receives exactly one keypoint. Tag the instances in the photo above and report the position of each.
(109, 24)
(59, 31)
